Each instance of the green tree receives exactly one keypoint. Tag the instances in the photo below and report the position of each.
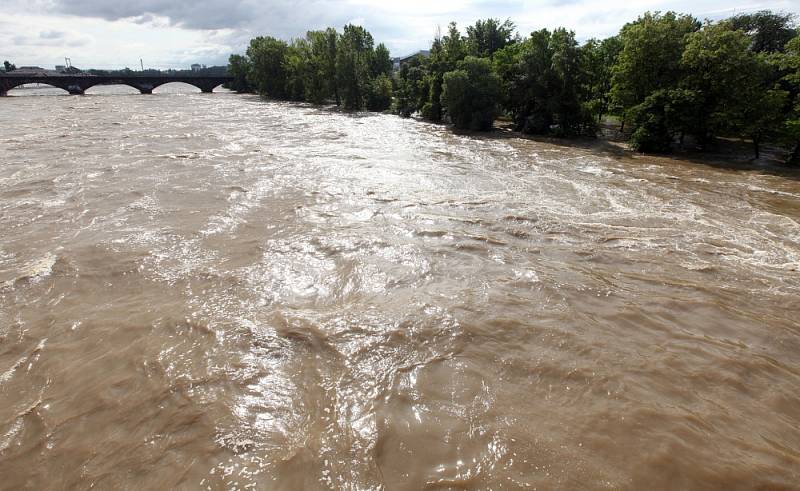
(598, 59)
(764, 115)
(379, 97)
(267, 75)
(531, 80)
(412, 91)
(544, 77)
(661, 117)
(446, 52)
(489, 36)
(650, 58)
(454, 47)
(768, 31)
(321, 72)
(239, 68)
(724, 73)
(571, 114)
(507, 66)
(353, 57)
(789, 63)
(382, 61)
(470, 94)
(10, 67)
(298, 70)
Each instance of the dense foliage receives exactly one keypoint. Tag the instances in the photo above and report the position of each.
(669, 79)
(470, 94)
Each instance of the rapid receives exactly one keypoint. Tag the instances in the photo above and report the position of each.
(212, 291)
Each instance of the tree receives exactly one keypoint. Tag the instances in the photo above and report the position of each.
(381, 62)
(768, 31)
(379, 97)
(507, 66)
(544, 77)
(789, 63)
(570, 113)
(662, 116)
(454, 47)
(268, 75)
(650, 58)
(297, 67)
(321, 70)
(10, 67)
(412, 92)
(724, 73)
(239, 68)
(470, 94)
(529, 101)
(353, 57)
(598, 57)
(763, 115)
(489, 36)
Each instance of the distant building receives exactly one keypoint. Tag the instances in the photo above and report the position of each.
(197, 67)
(60, 68)
(397, 63)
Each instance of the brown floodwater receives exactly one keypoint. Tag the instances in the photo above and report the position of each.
(216, 292)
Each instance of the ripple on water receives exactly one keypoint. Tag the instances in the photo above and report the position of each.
(270, 295)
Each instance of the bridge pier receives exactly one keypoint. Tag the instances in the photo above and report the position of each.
(75, 89)
(145, 88)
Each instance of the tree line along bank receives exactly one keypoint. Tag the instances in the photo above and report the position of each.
(668, 78)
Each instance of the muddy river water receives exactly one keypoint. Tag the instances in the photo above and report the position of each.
(210, 291)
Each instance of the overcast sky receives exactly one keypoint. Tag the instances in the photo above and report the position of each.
(176, 33)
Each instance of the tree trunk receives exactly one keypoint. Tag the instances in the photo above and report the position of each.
(622, 126)
(756, 142)
(795, 157)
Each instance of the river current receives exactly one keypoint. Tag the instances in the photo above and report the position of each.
(211, 291)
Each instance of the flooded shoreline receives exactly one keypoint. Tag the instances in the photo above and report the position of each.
(216, 291)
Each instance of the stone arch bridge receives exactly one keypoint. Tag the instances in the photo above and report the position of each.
(78, 83)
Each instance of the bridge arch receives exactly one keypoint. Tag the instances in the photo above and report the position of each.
(77, 84)
(173, 85)
(97, 88)
(19, 85)
(205, 86)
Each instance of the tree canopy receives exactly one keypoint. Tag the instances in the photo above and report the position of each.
(667, 77)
